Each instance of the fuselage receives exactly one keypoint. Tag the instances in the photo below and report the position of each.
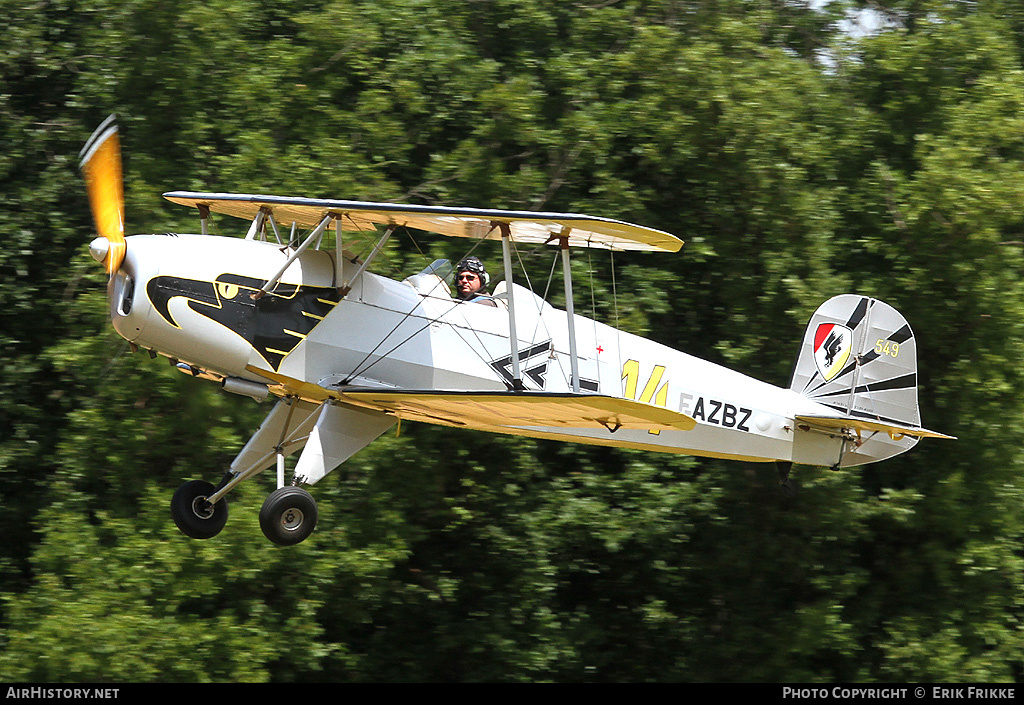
(191, 298)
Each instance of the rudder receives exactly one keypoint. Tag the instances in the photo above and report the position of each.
(859, 359)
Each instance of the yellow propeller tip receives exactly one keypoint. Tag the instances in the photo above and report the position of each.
(101, 167)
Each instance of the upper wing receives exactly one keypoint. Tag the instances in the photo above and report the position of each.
(477, 223)
(511, 412)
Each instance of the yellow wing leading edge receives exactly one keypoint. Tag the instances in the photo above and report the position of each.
(477, 223)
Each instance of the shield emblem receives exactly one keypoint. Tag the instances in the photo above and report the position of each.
(832, 346)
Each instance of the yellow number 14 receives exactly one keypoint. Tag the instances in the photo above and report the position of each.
(631, 373)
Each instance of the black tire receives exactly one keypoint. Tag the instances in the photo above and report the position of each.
(196, 517)
(288, 516)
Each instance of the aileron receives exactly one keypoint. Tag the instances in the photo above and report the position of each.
(509, 410)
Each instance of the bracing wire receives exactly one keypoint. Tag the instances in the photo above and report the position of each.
(359, 369)
(615, 294)
(615, 307)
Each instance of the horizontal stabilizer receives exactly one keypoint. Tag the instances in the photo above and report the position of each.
(507, 411)
(895, 431)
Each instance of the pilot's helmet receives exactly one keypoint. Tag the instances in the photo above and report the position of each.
(474, 265)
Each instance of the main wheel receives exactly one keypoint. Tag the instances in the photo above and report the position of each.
(288, 516)
(194, 515)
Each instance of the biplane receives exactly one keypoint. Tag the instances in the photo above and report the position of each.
(348, 353)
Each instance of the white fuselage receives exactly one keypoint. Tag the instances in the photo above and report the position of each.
(190, 297)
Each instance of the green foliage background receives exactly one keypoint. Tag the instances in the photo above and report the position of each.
(797, 160)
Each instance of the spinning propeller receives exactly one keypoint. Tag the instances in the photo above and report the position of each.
(101, 166)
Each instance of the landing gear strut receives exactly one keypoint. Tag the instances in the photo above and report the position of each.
(788, 484)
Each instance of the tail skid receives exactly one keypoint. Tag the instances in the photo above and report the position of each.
(859, 359)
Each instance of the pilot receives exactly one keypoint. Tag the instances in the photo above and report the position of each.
(471, 282)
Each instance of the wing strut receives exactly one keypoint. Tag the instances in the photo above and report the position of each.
(204, 216)
(347, 286)
(339, 252)
(513, 337)
(574, 366)
(272, 282)
(563, 241)
(257, 223)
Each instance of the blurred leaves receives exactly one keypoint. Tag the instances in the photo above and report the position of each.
(797, 162)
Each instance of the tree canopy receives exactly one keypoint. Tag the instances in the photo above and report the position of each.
(797, 158)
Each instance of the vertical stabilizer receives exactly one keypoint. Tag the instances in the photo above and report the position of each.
(859, 359)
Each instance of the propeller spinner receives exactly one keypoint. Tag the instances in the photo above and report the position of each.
(101, 167)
